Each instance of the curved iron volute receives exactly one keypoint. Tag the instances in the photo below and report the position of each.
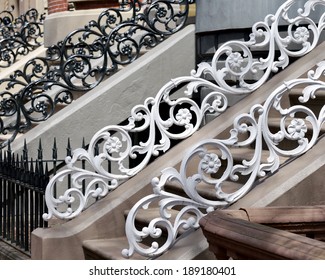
(19, 36)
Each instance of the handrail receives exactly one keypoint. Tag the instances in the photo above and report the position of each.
(118, 149)
(84, 59)
(211, 165)
(244, 238)
(19, 36)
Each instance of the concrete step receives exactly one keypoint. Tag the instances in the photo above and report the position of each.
(204, 190)
(107, 249)
(145, 216)
(287, 144)
(316, 104)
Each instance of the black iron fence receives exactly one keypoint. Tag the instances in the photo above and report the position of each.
(23, 181)
(22, 185)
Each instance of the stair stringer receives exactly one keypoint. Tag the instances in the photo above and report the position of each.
(105, 219)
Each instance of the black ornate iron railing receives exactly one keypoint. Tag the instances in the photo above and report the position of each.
(84, 59)
(19, 36)
(22, 187)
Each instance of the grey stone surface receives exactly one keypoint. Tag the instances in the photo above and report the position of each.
(215, 15)
(8, 252)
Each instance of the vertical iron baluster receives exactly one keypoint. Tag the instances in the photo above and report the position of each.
(1, 195)
(24, 200)
(5, 196)
(96, 154)
(83, 163)
(43, 207)
(35, 189)
(17, 198)
(21, 201)
(9, 190)
(30, 199)
(26, 210)
(54, 158)
(37, 186)
(31, 196)
(69, 154)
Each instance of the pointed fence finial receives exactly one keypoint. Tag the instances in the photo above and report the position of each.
(40, 150)
(69, 150)
(54, 150)
(25, 151)
(83, 145)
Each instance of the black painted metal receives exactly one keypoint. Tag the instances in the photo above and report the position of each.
(23, 181)
(19, 36)
(84, 59)
(22, 186)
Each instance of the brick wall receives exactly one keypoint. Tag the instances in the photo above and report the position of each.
(55, 6)
(95, 4)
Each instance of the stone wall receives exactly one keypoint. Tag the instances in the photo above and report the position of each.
(215, 15)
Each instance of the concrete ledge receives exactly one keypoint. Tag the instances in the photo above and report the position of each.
(111, 102)
(19, 65)
(58, 25)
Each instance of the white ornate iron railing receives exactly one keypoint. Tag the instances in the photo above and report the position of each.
(117, 146)
(235, 62)
(238, 63)
(216, 168)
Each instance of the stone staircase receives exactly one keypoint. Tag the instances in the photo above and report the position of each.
(99, 233)
(111, 248)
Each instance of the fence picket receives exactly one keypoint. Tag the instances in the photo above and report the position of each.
(23, 181)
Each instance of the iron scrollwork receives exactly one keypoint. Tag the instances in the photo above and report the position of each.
(162, 119)
(84, 59)
(19, 36)
(117, 150)
(209, 167)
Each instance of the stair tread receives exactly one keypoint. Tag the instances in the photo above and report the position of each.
(247, 153)
(205, 190)
(145, 215)
(297, 91)
(274, 122)
(108, 249)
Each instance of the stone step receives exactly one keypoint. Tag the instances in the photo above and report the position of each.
(316, 104)
(107, 249)
(287, 144)
(204, 190)
(145, 216)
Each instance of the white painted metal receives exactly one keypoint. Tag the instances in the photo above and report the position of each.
(208, 154)
(238, 65)
(118, 148)
(235, 60)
